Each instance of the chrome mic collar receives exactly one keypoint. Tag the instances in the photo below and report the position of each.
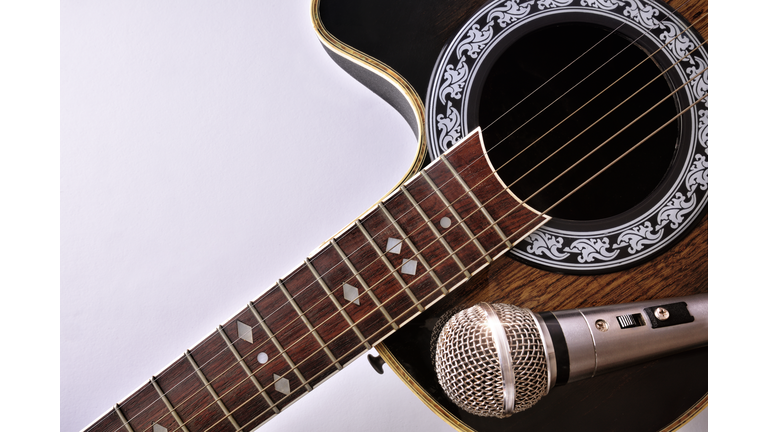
(503, 353)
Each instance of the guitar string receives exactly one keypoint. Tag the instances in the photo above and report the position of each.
(589, 101)
(623, 154)
(488, 126)
(490, 227)
(276, 333)
(549, 156)
(409, 310)
(576, 85)
(579, 57)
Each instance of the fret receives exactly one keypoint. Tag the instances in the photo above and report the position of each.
(168, 405)
(414, 225)
(456, 215)
(336, 303)
(509, 213)
(402, 256)
(144, 408)
(364, 285)
(210, 389)
(344, 286)
(410, 244)
(279, 347)
(437, 234)
(112, 421)
(251, 375)
(264, 361)
(464, 205)
(323, 314)
(483, 210)
(374, 271)
(119, 413)
(184, 394)
(291, 333)
(389, 266)
(309, 325)
(219, 366)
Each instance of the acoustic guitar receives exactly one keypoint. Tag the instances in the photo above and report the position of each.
(454, 233)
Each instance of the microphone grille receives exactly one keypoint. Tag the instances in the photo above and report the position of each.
(467, 362)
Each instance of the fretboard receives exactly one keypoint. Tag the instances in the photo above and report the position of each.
(418, 244)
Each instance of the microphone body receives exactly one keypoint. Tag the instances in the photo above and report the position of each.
(494, 360)
(600, 339)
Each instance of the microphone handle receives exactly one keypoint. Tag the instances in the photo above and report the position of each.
(582, 343)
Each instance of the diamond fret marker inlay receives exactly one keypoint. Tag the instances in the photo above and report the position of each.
(244, 332)
(409, 267)
(394, 245)
(351, 293)
(282, 385)
(157, 428)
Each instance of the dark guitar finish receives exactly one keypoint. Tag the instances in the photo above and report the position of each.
(408, 37)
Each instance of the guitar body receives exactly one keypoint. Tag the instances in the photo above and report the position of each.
(393, 47)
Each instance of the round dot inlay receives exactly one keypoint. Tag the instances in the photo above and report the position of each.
(262, 357)
(445, 222)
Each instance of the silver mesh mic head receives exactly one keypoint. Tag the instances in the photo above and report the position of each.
(470, 367)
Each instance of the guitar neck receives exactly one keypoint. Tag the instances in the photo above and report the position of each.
(421, 242)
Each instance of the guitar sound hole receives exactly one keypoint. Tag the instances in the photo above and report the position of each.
(529, 63)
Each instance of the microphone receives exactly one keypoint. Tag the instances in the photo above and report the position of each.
(494, 360)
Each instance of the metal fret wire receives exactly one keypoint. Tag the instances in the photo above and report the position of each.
(457, 249)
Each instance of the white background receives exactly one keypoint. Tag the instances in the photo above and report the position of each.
(206, 148)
